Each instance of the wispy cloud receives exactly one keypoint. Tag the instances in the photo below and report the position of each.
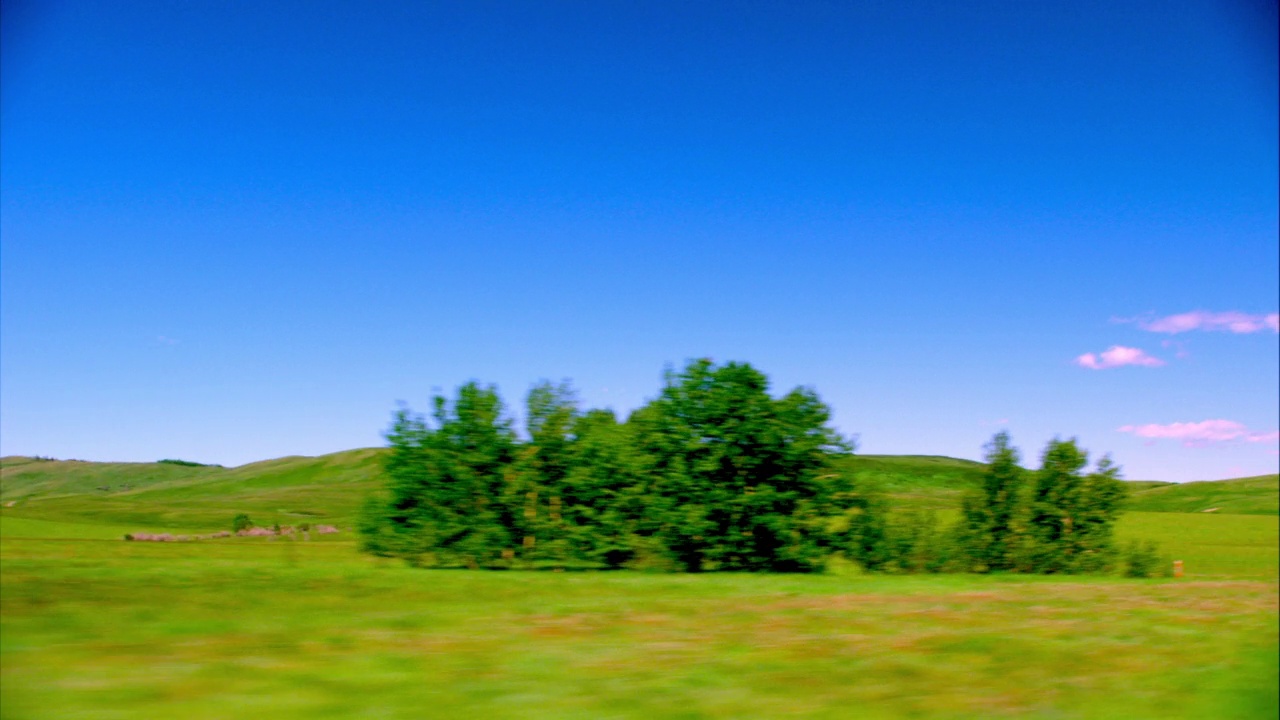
(1193, 434)
(1230, 321)
(1117, 356)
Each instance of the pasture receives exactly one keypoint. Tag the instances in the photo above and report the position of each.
(100, 628)
(95, 627)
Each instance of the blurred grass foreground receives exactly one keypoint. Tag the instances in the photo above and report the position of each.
(95, 627)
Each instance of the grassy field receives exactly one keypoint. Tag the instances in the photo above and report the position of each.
(95, 627)
(107, 629)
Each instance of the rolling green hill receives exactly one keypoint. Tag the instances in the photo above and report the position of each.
(929, 482)
(1258, 495)
(153, 496)
(330, 489)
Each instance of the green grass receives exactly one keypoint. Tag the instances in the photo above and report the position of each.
(1210, 546)
(108, 629)
(95, 627)
(20, 527)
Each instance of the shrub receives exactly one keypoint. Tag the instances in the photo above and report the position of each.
(241, 522)
(1143, 560)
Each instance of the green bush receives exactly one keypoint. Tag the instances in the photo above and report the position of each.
(1144, 560)
(241, 522)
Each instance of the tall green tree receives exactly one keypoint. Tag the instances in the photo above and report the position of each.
(735, 478)
(993, 522)
(448, 484)
(546, 460)
(604, 495)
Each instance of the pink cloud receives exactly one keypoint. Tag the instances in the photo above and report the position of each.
(1117, 356)
(1201, 433)
(1232, 321)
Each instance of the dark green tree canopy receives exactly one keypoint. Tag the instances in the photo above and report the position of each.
(446, 478)
(738, 479)
(715, 473)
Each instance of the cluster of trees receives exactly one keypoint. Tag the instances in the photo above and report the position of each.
(713, 474)
(1057, 519)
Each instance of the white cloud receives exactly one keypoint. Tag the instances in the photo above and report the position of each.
(1202, 433)
(1117, 356)
(1231, 321)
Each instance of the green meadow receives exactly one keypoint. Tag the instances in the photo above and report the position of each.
(95, 627)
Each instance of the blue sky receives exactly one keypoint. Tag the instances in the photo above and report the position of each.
(235, 231)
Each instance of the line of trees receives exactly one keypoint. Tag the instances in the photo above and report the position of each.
(713, 474)
(1056, 519)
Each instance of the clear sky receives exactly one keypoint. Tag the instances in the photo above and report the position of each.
(239, 230)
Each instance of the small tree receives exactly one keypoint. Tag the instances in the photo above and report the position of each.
(1072, 514)
(992, 525)
(241, 522)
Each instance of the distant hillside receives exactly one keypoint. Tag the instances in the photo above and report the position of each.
(934, 482)
(331, 488)
(1242, 496)
(918, 481)
(288, 490)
